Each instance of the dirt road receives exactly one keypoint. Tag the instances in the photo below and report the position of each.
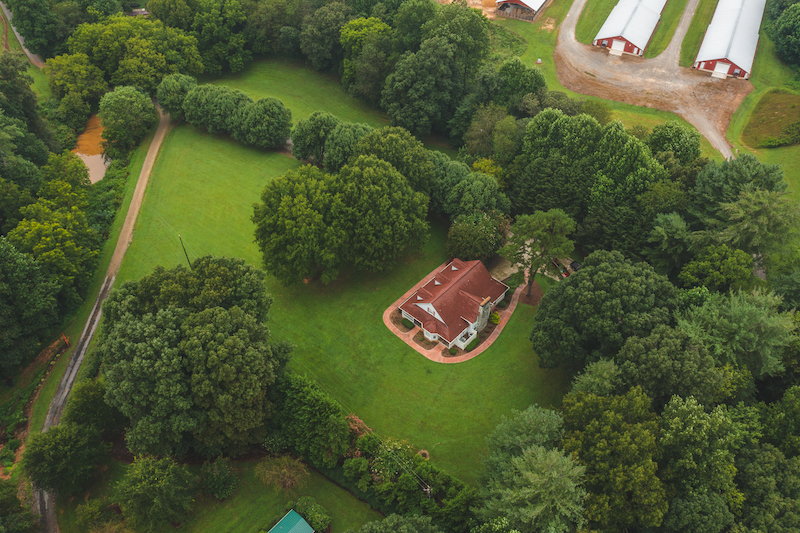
(45, 501)
(704, 102)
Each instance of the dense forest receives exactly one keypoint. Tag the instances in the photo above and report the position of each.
(679, 332)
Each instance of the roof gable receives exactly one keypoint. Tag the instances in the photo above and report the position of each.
(733, 33)
(292, 523)
(633, 20)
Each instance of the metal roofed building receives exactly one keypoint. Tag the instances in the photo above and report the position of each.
(524, 8)
(629, 26)
(729, 45)
(292, 523)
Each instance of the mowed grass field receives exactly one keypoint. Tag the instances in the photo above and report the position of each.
(592, 19)
(302, 90)
(203, 188)
(666, 28)
(697, 29)
(252, 507)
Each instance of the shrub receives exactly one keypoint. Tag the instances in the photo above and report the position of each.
(494, 318)
(471, 346)
(313, 513)
(218, 478)
(407, 323)
(285, 472)
(453, 350)
(503, 304)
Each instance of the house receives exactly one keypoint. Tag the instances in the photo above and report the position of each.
(455, 304)
(729, 45)
(526, 9)
(629, 26)
(292, 523)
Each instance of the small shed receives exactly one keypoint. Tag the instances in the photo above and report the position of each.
(629, 26)
(729, 45)
(519, 8)
(292, 523)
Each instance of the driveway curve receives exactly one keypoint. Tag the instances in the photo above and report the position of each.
(704, 102)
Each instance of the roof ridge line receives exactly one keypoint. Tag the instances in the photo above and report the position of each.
(735, 29)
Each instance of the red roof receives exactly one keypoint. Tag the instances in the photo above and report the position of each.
(449, 302)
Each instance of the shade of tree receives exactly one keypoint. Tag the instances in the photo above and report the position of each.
(698, 449)
(602, 378)
(398, 147)
(218, 26)
(156, 491)
(476, 192)
(463, 28)
(771, 486)
(379, 211)
(75, 74)
(535, 426)
(615, 439)
(87, 407)
(598, 109)
(295, 230)
(680, 139)
(669, 362)
(742, 329)
(313, 422)
(541, 491)
(310, 135)
(136, 51)
(172, 91)
(395, 523)
(476, 236)
(265, 123)
(187, 358)
(27, 305)
(12, 198)
(56, 233)
(719, 268)
(65, 459)
(787, 34)
(319, 39)
(424, 88)
(340, 144)
(127, 116)
(723, 182)
(590, 315)
(14, 518)
(538, 239)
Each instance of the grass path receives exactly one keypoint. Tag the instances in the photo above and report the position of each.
(592, 19)
(666, 28)
(697, 30)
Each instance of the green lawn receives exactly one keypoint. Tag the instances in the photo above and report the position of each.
(302, 90)
(592, 19)
(203, 188)
(666, 28)
(697, 29)
(252, 506)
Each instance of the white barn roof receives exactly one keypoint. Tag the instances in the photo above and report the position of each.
(536, 5)
(733, 33)
(634, 20)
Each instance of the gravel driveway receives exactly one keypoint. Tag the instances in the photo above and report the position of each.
(660, 83)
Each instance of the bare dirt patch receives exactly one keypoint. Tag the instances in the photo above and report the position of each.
(535, 296)
(421, 341)
(397, 319)
(548, 24)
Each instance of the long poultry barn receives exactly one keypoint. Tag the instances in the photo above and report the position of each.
(629, 27)
(729, 45)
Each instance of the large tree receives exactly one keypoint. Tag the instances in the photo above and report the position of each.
(187, 358)
(218, 27)
(589, 315)
(65, 459)
(172, 91)
(127, 116)
(156, 491)
(320, 38)
(399, 148)
(538, 239)
(310, 135)
(75, 74)
(615, 439)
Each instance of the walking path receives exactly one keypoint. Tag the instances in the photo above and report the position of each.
(435, 353)
(704, 102)
(44, 502)
(33, 58)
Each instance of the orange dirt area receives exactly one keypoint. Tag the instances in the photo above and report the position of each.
(90, 142)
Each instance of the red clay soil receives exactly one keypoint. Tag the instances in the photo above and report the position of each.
(90, 142)
(534, 298)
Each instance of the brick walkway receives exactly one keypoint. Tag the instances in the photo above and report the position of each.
(435, 353)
